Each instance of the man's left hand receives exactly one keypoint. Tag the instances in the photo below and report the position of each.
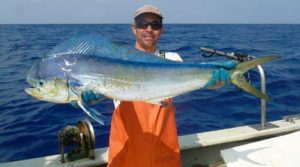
(221, 76)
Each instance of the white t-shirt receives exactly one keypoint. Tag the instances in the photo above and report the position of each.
(168, 55)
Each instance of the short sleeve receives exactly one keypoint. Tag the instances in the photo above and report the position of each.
(173, 56)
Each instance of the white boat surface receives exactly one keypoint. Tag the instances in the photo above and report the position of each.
(274, 152)
(199, 149)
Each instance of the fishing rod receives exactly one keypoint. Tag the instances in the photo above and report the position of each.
(241, 57)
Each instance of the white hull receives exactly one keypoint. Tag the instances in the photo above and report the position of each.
(200, 148)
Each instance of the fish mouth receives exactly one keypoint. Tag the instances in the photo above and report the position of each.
(30, 91)
(32, 82)
(31, 78)
(34, 92)
(38, 93)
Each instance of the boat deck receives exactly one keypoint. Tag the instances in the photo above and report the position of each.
(200, 148)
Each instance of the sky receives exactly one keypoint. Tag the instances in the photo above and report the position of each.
(174, 11)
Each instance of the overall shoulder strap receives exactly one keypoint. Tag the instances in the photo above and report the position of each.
(162, 54)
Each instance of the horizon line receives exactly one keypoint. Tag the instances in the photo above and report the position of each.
(131, 23)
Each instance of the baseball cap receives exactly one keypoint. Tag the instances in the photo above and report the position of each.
(147, 9)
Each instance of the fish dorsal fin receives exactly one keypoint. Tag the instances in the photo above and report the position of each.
(80, 44)
(99, 46)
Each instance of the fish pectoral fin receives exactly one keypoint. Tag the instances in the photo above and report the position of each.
(94, 114)
(75, 90)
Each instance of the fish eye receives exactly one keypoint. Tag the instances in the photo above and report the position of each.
(41, 83)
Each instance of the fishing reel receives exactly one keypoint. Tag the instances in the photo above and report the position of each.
(82, 136)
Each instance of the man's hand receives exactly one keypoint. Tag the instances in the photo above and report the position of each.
(166, 102)
(88, 97)
(221, 76)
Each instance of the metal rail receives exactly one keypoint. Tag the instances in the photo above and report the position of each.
(244, 57)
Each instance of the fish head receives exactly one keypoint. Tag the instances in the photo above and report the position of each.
(55, 90)
(48, 78)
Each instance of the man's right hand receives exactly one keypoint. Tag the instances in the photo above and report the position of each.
(88, 97)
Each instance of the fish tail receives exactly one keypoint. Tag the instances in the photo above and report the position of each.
(237, 75)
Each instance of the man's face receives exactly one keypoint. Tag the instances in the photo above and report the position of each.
(147, 35)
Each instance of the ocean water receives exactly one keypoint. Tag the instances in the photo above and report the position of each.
(28, 127)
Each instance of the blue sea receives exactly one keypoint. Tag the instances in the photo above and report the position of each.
(28, 127)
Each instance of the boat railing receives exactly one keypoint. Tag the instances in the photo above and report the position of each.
(206, 52)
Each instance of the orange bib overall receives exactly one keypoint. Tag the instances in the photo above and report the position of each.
(143, 135)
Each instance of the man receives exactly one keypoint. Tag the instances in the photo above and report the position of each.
(144, 134)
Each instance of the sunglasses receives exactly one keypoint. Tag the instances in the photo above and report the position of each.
(143, 24)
